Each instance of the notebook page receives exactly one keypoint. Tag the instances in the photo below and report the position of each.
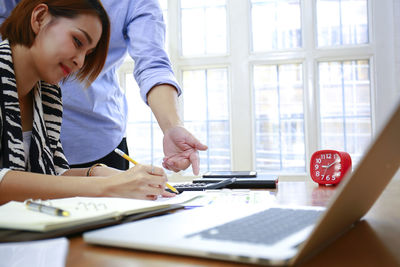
(15, 215)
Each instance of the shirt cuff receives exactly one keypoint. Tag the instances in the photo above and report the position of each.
(3, 172)
(162, 78)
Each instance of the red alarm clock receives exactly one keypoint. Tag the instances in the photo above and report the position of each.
(329, 166)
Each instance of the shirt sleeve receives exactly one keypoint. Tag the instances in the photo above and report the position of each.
(146, 40)
(5, 8)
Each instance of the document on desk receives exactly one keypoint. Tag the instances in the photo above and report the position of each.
(82, 210)
(43, 253)
(221, 197)
(182, 199)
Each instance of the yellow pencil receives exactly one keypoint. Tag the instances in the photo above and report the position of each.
(125, 156)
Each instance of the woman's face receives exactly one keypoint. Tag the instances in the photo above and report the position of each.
(61, 45)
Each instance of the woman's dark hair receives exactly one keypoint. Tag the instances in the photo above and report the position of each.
(17, 29)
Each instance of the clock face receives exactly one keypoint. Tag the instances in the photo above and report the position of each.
(329, 166)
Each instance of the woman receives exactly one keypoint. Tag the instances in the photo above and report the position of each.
(45, 41)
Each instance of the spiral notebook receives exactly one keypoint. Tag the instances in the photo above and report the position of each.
(82, 210)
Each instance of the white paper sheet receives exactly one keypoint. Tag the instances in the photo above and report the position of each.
(42, 253)
(221, 197)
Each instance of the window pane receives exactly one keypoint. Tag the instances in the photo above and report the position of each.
(203, 27)
(163, 4)
(144, 136)
(279, 115)
(276, 24)
(164, 7)
(345, 106)
(206, 115)
(342, 22)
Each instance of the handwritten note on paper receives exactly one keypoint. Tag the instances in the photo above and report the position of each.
(221, 197)
(15, 215)
(43, 253)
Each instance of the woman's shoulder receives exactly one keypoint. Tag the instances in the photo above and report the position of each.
(5, 55)
(51, 92)
(5, 49)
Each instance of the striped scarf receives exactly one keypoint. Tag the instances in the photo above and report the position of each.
(45, 153)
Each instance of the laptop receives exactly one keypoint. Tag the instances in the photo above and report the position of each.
(265, 235)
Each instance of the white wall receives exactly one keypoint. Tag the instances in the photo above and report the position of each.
(396, 15)
(387, 59)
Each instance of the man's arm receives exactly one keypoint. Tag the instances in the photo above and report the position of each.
(163, 101)
(158, 86)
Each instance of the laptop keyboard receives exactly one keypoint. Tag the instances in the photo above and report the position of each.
(266, 227)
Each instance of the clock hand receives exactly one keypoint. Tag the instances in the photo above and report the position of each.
(324, 166)
(327, 167)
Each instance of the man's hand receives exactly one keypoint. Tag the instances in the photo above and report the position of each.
(181, 150)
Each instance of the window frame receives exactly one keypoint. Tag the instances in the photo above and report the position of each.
(239, 60)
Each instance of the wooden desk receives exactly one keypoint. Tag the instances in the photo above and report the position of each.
(375, 241)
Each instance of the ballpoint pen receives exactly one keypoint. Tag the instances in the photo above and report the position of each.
(40, 207)
(125, 156)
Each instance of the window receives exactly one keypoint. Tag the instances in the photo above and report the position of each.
(206, 113)
(279, 114)
(268, 82)
(144, 134)
(203, 24)
(345, 106)
(343, 22)
(276, 24)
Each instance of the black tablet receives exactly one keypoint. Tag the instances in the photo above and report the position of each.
(260, 181)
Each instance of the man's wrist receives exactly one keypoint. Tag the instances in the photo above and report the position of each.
(172, 126)
(163, 101)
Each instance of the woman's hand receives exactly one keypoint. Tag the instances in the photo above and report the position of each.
(141, 182)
